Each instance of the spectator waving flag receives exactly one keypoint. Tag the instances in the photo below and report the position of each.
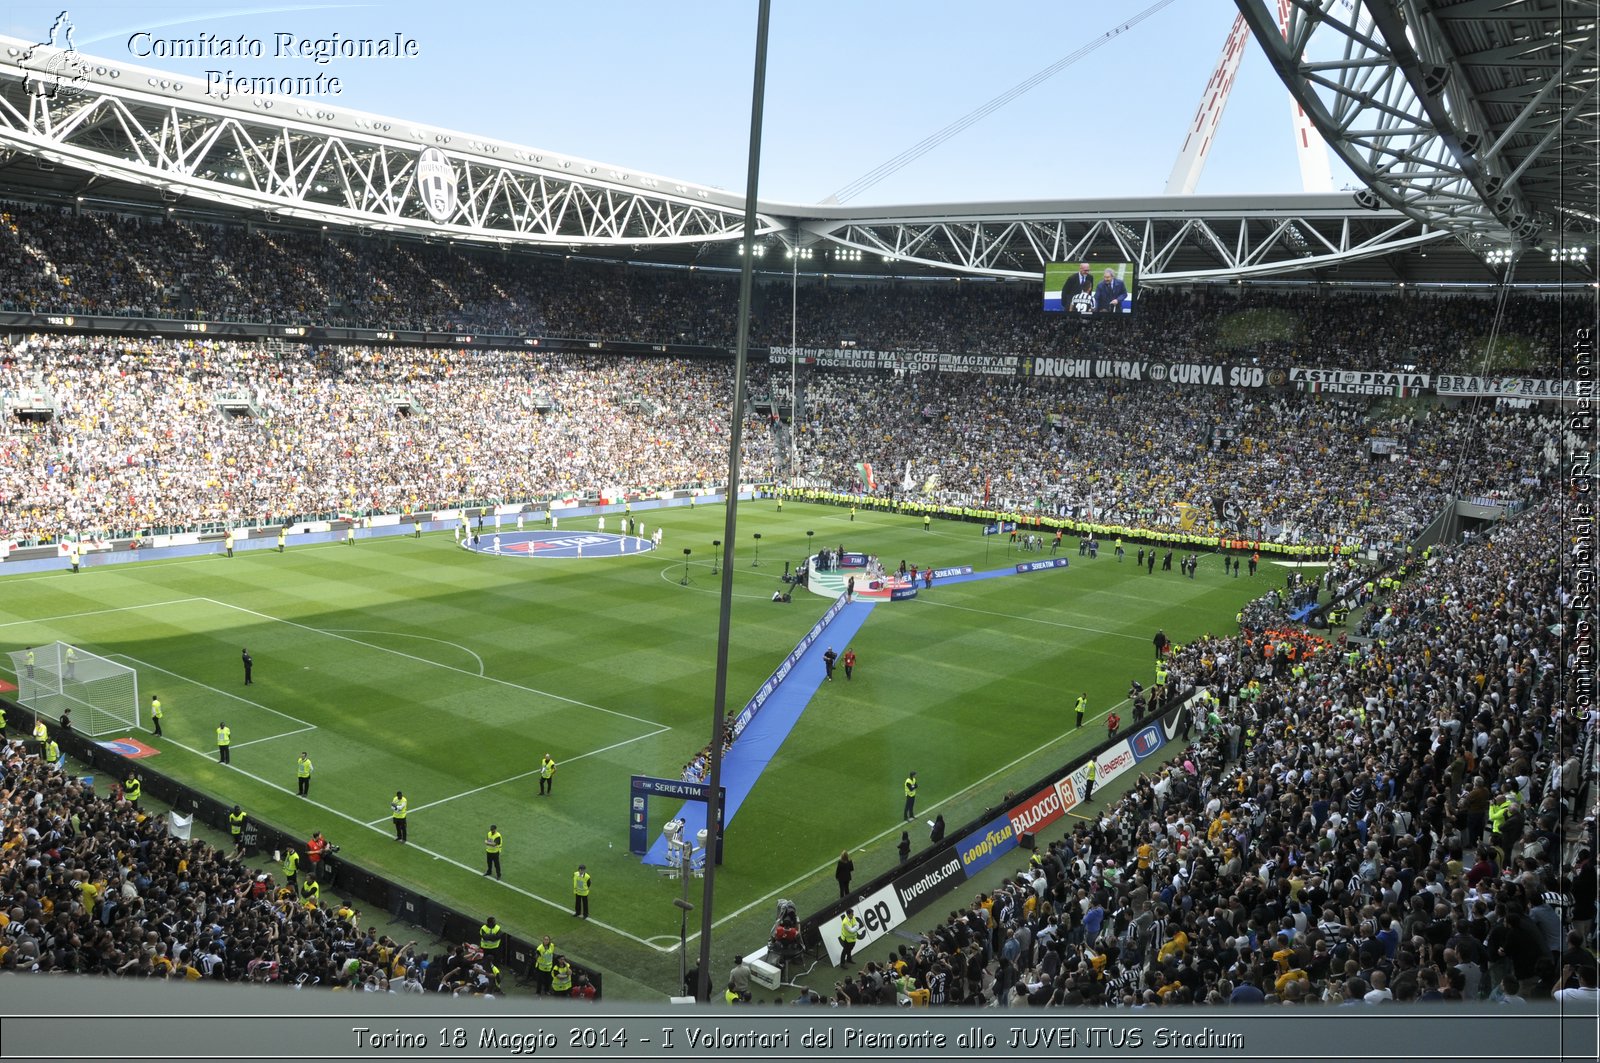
(864, 470)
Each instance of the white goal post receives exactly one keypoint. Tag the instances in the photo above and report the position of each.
(102, 695)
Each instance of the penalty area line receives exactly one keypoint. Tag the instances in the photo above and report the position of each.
(528, 774)
(305, 725)
(437, 664)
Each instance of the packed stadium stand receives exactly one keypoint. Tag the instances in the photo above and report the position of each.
(207, 271)
(1386, 819)
(1381, 823)
(1398, 811)
(131, 411)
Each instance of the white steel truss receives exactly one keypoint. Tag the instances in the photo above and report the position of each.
(1397, 88)
(1169, 245)
(318, 163)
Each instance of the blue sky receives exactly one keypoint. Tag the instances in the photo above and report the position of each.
(665, 88)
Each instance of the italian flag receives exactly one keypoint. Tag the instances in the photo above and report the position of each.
(864, 470)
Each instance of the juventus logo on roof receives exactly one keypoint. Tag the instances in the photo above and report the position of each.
(436, 184)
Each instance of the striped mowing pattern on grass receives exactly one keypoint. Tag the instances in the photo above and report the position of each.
(410, 664)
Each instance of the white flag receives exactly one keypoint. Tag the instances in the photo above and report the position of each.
(179, 826)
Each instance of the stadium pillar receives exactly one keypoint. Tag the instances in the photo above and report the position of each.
(731, 520)
(794, 359)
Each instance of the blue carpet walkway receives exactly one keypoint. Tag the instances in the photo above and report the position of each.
(759, 743)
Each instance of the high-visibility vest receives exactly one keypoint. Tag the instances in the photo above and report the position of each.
(491, 843)
(580, 883)
(224, 736)
(847, 929)
(489, 937)
(561, 979)
(132, 790)
(303, 766)
(1093, 771)
(546, 957)
(52, 752)
(155, 708)
(911, 786)
(291, 863)
(41, 733)
(547, 767)
(310, 891)
(236, 822)
(398, 806)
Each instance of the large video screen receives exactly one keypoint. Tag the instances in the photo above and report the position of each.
(1089, 287)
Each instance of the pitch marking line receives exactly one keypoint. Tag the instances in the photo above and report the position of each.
(527, 774)
(274, 738)
(436, 664)
(1034, 620)
(474, 871)
(98, 612)
(171, 562)
(304, 726)
(668, 573)
(403, 635)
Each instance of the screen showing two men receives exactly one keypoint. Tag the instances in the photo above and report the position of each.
(1088, 287)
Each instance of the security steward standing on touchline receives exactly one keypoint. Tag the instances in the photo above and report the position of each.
(397, 809)
(492, 844)
(580, 892)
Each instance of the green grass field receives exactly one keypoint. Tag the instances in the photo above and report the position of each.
(409, 664)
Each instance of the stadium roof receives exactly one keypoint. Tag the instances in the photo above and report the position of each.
(77, 128)
(1479, 116)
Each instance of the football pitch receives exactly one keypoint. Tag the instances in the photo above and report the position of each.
(409, 664)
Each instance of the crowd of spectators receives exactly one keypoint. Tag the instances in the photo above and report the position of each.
(1285, 468)
(140, 440)
(1376, 822)
(1390, 822)
(96, 886)
(55, 261)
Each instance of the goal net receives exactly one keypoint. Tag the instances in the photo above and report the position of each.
(102, 695)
